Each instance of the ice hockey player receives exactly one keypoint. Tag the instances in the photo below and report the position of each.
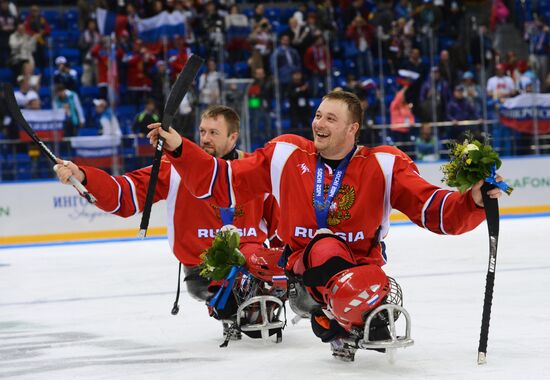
(193, 223)
(335, 199)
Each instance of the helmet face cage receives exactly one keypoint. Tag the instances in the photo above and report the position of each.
(259, 317)
(394, 297)
(260, 307)
(246, 288)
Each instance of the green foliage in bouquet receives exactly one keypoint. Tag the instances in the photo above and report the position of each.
(469, 163)
(224, 253)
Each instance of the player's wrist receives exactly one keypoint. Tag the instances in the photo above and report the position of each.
(177, 152)
(82, 177)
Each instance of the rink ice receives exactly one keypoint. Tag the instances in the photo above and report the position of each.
(102, 311)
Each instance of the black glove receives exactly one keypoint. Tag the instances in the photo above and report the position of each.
(228, 312)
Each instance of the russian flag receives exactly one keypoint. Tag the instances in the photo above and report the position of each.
(519, 113)
(151, 30)
(106, 21)
(96, 146)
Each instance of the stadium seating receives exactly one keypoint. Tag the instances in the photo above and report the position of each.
(248, 12)
(20, 166)
(285, 14)
(273, 14)
(70, 19)
(6, 75)
(280, 28)
(45, 95)
(285, 124)
(227, 69)
(350, 51)
(88, 93)
(126, 115)
(241, 69)
(54, 19)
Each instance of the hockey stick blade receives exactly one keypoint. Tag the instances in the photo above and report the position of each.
(493, 222)
(17, 116)
(177, 93)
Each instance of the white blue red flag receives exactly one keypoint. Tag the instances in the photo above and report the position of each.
(96, 146)
(520, 113)
(151, 30)
(106, 21)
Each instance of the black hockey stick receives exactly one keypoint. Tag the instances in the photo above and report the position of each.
(492, 216)
(177, 93)
(17, 116)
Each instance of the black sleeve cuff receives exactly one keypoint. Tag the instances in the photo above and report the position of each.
(177, 152)
(85, 180)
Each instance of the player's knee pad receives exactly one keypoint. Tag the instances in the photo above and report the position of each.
(325, 255)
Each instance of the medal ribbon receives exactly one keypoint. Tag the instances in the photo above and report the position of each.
(321, 205)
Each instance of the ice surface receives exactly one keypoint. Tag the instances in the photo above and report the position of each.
(102, 311)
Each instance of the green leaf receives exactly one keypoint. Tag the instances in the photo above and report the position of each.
(475, 155)
(233, 240)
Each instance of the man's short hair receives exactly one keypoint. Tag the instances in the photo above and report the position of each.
(231, 117)
(59, 87)
(355, 110)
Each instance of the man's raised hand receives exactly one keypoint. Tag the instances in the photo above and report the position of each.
(172, 138)
(493, 193)
(64, 169)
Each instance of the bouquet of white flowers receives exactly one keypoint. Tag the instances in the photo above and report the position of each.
(469, 163)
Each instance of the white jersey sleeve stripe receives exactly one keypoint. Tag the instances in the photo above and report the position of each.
(232, 199)
(426, 205)
(171, 204)
(386, 162)
(119, 197)
(214, 175)
(280, 156)
(134, 194)
(441, 226)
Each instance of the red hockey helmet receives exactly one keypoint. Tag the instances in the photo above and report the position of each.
(352, 293)
(262, 263)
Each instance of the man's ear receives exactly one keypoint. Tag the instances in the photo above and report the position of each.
(354, 128)
(234, 137)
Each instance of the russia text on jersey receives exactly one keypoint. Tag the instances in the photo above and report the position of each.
(347, 236)
(210, 233)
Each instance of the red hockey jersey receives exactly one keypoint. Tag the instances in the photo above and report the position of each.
(192, 222)
(376, 181)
